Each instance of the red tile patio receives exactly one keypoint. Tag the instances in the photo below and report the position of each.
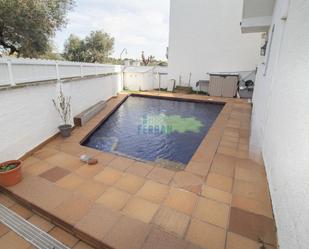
(220, 201)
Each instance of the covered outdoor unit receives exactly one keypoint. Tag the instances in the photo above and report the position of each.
(223, 84)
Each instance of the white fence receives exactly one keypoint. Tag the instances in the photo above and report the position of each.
(15, 71)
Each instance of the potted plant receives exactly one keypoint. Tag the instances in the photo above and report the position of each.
(10, 173)
(63, 107)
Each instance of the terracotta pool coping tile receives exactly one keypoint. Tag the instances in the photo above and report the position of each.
(198, 168)
(161, 175)
(186, 179)
(139, 169)
(121, 163)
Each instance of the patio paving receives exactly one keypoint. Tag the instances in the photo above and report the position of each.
(220, 201)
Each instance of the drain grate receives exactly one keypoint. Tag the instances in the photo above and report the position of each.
(29, 232)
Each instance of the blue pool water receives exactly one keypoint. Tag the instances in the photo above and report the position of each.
(154, 129)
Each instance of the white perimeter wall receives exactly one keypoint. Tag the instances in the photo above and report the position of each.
(28, 117)
(205, 36)
(280, 125)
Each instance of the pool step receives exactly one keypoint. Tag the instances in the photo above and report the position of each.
(29, 232)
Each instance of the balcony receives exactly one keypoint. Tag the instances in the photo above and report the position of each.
(257, 15)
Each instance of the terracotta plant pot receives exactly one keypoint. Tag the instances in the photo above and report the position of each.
(10, 177)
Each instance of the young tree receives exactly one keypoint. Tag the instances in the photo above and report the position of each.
(74, 49)
(26, 26)
(97, 47)
(147, 61)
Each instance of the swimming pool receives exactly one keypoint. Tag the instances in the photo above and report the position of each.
(155, 129)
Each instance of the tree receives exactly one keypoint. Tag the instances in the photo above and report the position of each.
(147, 61)
(26, 26)
(74, 49)
(97, 47)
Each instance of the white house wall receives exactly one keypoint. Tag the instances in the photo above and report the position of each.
(280, 125)
(139, 81)
(205, 36)
(28, 117)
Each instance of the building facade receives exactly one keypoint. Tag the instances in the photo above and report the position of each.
(280, 118)
(205, 36)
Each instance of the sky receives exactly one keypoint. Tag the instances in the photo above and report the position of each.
(137, 25)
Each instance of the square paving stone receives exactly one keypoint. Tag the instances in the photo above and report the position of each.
(252, 226)
(139, 169)
(73, 209)
(158, 239)
(198, 168)
(127, 234)
(172, 221)
(223, 165)
(6, 201)
(105, 158)
(82, 245)
(114, 198)
(65, 160)
(55, 174)
(98, 221)
(12, 241)
(108, 176)
(91, 189)
(161, 175)
(121, 163)
(235, 241)
(216, 194)
(22, 211)
(41, 223)
(140, 209)
(38, 168)
(63, 236)
(89, 171)
(70, 182)
(212, 212)
(129, 183)
(181, 200)
(220, 182)
(45, 153)
(205, 235)
(154, 192)
(3, 229)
